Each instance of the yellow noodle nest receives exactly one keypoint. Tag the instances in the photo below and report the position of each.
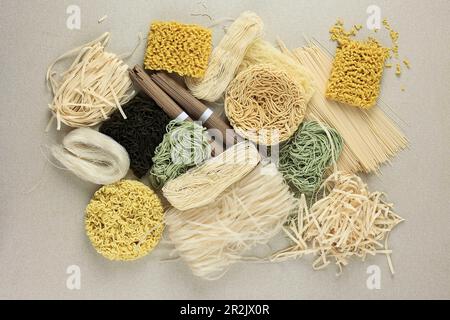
(202, 185)
(180, 48)
(263, 52)
(124, 221)
(265, 105)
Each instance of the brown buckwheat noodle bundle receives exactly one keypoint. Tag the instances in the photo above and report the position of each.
(202, 185)
(250, 212)
(94, 86)
(227, 57)
(265, 105)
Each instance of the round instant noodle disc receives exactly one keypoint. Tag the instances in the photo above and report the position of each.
(124, 220)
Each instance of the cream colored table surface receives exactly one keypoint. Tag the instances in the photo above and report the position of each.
(42, 232)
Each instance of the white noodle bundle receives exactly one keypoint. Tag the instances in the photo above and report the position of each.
(93, 156)
(202, 185)
(227, 57)
(250, 212)
(349, 221)
(95, 85)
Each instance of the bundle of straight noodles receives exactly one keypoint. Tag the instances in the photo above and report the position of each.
(370, 137)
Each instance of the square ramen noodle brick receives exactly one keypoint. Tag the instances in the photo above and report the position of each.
(180, 48)
(357, 72)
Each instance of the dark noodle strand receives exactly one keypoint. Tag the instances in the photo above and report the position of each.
(140, 133)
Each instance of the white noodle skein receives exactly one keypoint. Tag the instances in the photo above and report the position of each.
(227, 57)
(93, 156)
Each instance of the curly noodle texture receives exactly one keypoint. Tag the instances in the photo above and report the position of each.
(124, 221)
(265, 105)
(184, 146)
(202, 185)
(262, 52)
(304, 159)
(95, 85)
(348, 221)
(227, 57)
(250, 212)
(92, 156)
(357, 70)
(140, 134)
(180, 48)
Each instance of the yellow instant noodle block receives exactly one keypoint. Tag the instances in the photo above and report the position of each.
(124, 220)
(357, 72)
(175, 47)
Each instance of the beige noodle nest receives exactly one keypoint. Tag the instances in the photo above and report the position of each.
(265, 105)
(263, 52)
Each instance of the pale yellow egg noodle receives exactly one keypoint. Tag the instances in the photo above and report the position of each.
(261, 110)
(265, 105)
(263, 52)
(94, 86)
(93, 156)
(347, 221)
(222, 206)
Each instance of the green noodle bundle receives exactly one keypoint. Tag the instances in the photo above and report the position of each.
(184, 146)
(304, 158)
